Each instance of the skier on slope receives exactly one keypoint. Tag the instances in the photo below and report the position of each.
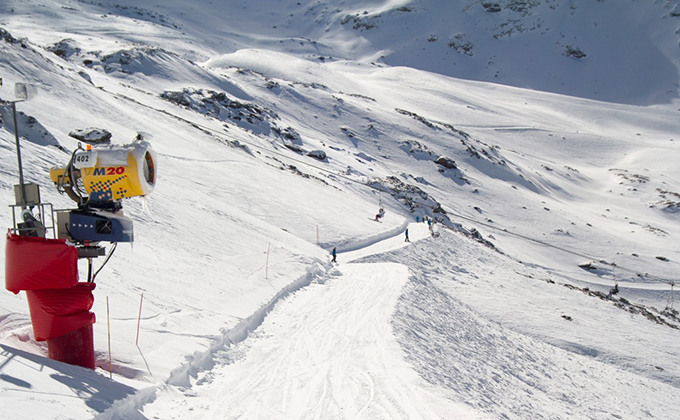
(406, 234)
(381, 214)
(334, 253)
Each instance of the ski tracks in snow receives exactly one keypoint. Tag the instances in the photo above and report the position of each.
(325, 352)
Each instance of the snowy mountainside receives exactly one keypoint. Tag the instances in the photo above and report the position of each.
(282, 126)
(616, 51)
(622, 51)
(458, 349)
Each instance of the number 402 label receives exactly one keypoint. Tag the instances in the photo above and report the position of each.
(85, 159)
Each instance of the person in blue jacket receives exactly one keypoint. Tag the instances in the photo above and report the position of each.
(406, 234)
(334, 253)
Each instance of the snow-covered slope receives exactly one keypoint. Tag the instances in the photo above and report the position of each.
(282, 126)
(617, 51)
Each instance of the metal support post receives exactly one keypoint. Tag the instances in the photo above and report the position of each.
(21, 170)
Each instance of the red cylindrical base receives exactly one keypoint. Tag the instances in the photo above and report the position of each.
(74, 348)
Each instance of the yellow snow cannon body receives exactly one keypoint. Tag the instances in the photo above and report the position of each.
(108, 173)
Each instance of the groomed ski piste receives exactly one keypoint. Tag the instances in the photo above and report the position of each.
(372, 337)
(327, 350)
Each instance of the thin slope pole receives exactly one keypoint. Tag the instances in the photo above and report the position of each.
(108, 331)
(139, 319)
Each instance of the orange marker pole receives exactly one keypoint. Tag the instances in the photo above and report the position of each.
(108, 330)
(139, 319)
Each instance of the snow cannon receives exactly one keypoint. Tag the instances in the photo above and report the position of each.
(107, 173)
(98, 178)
